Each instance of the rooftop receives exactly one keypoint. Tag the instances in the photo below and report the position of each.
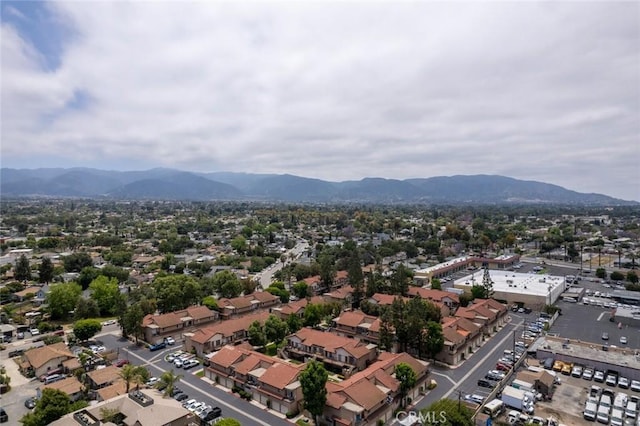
(592, 351)
(516, 282)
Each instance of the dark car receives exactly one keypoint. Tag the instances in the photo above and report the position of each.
(181, 397)
(484, 383)
(157, 346)
(4, 417)
(121, 362)
(17, 352)
(212, 414)
(30, 403)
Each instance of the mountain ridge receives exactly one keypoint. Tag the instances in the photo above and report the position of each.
(171, 184)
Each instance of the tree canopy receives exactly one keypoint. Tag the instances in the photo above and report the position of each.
(313, 380)
(62, 299)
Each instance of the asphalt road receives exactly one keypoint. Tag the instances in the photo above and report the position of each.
(231, 405)
(267, 274)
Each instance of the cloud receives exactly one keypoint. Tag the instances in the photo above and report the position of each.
(540, 91)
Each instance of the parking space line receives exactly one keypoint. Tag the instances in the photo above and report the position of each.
(219, 401)
(445, 376)
(487, 356)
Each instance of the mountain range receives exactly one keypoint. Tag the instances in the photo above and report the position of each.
(169, 184)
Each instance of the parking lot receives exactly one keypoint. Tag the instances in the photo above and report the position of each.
(588, 323)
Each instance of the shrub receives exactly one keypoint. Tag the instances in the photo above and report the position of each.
(380, 422)
(432, 385)
(292, 414)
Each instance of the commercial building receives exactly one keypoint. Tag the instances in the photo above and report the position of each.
(625, 361)
(442, 270)
(526, 289)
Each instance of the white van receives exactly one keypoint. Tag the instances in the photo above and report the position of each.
(53, 378)
(590, 411)
(617, 417)
(631, 410)
(493, 408)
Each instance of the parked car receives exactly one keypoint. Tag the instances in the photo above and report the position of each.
(181, 397)
(152, 381)
(474, 398)
(502, 367)
(4, 417)
(34, 331)
(623, 383)
(190, 363)
(587, 374)
(635, 385)
(20, 335)
(169, 341)
(30, 403)
(605, 336)
(484, 383)
(121, 362)
(576, 371)
(623, 340)
(612, 380)
(598, 376)
(157, 346)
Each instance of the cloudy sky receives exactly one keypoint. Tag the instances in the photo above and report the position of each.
(545, 91)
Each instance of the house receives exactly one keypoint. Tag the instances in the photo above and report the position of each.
(102, 377)
(343, 295)
(461, 338)
(22, 295)
(488, 313)
(138, 408)
(39, 361)
(358, 324)
(297, 307)
(542, 380)
(371, 396)
(157, 327)
(338, 353)
(270, 381)
(315, 284)
(340, 280)
(71, 386)
(245, 304)
(210, 338)
(451, 300)
(382, 299)
(118, 387)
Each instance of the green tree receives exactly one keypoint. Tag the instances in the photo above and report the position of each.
(256, 334)
(135, 374)
(478, 292)
(132, 321)
(45, 271)
(617, 276)
(23, 269)
(168, 380)
(239, 244)
(86, 308)
(275, 329)
(453, 414)
(386, 330)
(86, 329)
(227, 284)
(52, 405)
(407, 378)
(433, 339)
(436, 284)
(356, 278)
(632, 277)
(601, 273)
(294, 323)
(312, 315)
(210, 302)
(313, 380)
(327, 269)
(76, 261)
(300, 290)
(87, 275)
(105, 292)
(175, 292)
(62, 299)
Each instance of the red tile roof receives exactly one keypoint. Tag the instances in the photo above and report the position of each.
(228, 328)
(434, 295)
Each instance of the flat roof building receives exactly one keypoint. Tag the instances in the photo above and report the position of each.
(530, 290)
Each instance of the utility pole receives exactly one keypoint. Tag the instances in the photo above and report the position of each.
(459, 400)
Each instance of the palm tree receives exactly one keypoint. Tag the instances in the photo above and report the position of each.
(169, 380)
(133, 374)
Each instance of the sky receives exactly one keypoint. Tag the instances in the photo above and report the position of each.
(335, 90)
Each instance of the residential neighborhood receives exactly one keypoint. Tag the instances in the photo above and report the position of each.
(383, 309)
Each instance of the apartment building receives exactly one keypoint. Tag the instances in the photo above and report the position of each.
(157, 327)
(270, 381)
(242, 305)
(338, 353)
(210, 338)
(489, 314)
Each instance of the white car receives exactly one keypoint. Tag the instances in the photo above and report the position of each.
(109, 322)
(34, 331)
(623, 383)
(635, 385)
(474, 398)
(152, 381)
(193, 407)
(623, 340)
(169, 341)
